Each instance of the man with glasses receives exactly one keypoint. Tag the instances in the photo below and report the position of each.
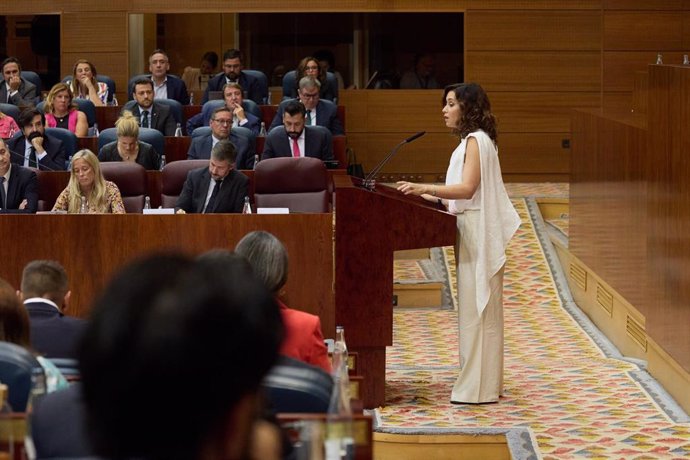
(221, 128)
(232, 73)
(319, 112)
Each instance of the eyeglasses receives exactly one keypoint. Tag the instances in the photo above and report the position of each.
(223, 121)
(312, 67)
(310, 96)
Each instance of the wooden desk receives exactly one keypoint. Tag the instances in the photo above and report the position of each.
(108, 114)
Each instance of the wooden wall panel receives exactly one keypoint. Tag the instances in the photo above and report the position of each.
(535, 71)
(538, 112)
(620, 66)
(643, 4)
(643, 30)
(533, 30)
(93, 32)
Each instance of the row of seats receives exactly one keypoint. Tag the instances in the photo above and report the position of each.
(300, 184)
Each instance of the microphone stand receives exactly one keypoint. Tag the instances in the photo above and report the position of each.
(369, 182)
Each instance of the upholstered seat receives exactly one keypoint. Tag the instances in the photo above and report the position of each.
(22, 374)
(172, 179)
(300, 184)
(295, 387)
(148, 135)
(130, 178)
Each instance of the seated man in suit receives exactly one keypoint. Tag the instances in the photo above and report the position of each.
(167, 327)
(225, 193)
(45, 292)
(16, 90)
(151, 114)
(221, 122)
(166, 86)
(232, 73)
(232, 94)
(18, 185)
(319, 112)
(38, 149)
(294, 139)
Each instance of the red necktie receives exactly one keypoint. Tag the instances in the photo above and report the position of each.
(295, 149)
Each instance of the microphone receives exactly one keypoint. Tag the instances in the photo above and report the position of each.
(369, 181)
(37, 166)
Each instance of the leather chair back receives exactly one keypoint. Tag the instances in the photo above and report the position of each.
(130, 178)
(295, 387)
(263, 83)
(247, 104)
(89, 110)
(22, 374)
(300, 184)
(33, 77)
(172, 179)
(69, 140)
(11, 110)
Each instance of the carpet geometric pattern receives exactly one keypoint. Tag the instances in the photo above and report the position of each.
(577, 401)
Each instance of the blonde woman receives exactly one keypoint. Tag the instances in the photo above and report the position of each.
(128, 147)
(61, 111)
(84, 84)
(88, 187)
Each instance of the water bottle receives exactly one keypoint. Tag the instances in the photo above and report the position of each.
(256, 160)
(82, 208)
(147, 202)
(162, 162)
(339, 433)
(686, 61)
(114, 101)
(95, 130)
(178, 131)
(6, 426)
(659, 60)
(262, 133)
(191, 98)
(247, 209)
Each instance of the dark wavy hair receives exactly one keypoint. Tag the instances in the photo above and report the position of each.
(476, 110)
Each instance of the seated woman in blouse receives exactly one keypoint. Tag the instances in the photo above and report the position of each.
(128, 147)
(84, 84)
(62, 112)
(8, 126)
(88, 189)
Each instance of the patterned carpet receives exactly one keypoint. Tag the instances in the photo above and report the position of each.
(569, 393)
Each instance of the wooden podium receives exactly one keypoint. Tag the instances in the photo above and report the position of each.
(370, 227)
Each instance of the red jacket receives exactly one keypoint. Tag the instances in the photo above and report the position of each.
(303, 338)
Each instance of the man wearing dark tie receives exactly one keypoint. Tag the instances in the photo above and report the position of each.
(18, 185)
(218, 188)
(38, 149)
(221, 128)
(294, 139)
(232, 73)
(151, 114)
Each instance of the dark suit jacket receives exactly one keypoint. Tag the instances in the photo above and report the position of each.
(318, 143)
(230, 198)
(249, 83)
(58, 425)
(23, 185)
(253, 123)
(147, 157)
(26, 95)
(53, 334)
(326, 116)
(161, 117)
(200, 149)
(54, 161)
(177, 89)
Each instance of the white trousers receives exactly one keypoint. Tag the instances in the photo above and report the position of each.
(481, 336)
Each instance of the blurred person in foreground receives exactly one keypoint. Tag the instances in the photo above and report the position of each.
(167, 329)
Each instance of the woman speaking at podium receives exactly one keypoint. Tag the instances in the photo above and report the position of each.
(486, 221)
